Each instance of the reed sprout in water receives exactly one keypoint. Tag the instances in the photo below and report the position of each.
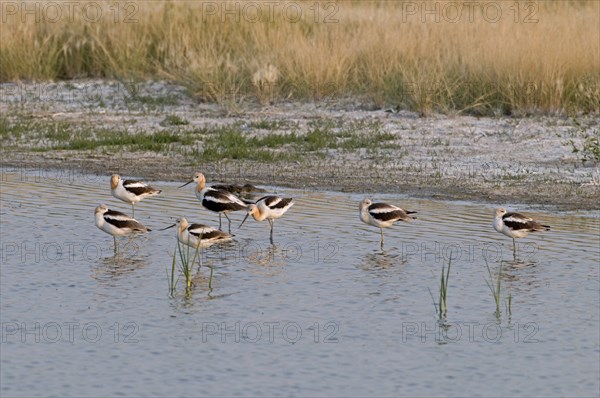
(441, 308)
(185, 266)
(496, 286)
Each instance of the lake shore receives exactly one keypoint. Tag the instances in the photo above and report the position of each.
(502, 160)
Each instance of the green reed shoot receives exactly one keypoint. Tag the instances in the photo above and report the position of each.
(172, 276)
(441, 308)
(185, 266)
(444, 286)
(495, 288)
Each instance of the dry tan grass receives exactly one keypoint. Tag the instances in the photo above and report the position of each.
(380, 51)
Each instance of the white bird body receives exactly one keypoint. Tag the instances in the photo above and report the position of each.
(516, 225)
(382, 215)
(219, 201)
(130, 191)
(269, 208)
(216, 200)
(199, 235)
(116, 223)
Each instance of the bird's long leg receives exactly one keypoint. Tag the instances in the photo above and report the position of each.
(514, 250)
(132, 210)
(116, 246)
(219, 220)
(271, 222)
(229, 222)
(381, 229)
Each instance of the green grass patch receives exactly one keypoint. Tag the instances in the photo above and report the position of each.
(174, 120)
(266, 124)
(217, 142)
(155, 142)
(584, 142)
(232, 143)
(152, 101)
(44, 136)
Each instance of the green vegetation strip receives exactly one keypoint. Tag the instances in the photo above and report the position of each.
(234, 141)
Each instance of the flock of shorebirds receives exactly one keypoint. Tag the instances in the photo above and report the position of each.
(220, 199)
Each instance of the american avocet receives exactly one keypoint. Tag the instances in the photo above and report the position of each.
(216, 200)
(516, 225)
(382, 215)
(130, 191)
(269, 208)
(116, 223)
(198, 235)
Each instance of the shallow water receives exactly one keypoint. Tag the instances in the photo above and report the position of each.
(324, 312)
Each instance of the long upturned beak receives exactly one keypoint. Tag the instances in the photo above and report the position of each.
(170, 226)
(247, 214)
(187, 183)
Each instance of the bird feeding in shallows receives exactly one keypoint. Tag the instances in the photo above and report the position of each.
(269, 208)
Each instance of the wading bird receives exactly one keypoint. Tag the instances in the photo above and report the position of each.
(131, 191)
(382, 215)
(269, 208)
(515, 225)
(198, 235)
(216, 200)
(116, 223)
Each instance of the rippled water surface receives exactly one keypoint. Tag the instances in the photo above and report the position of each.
(324, 312)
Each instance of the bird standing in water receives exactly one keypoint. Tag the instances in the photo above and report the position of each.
(382, 215)
(131, 191)
(516, 225)
(116, 223)
(269, 208)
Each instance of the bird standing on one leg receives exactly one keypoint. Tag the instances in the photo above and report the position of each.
(516, 225)
(269, 208)
(215, 200)
(116, 223)
(131, 191)
(382, 215)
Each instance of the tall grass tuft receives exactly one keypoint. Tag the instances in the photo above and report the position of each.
(183, 259)
(537, 57)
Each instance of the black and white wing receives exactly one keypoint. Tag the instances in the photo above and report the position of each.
(123, 221)
(204, 232)
(139, 188)
(276, 202)
(384, 212)
(519, 222)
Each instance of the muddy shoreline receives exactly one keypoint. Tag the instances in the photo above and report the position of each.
(566, 196)
(499, 160)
